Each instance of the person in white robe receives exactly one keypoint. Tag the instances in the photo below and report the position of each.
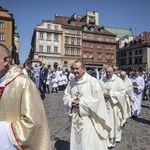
(129, 95)
(114, 92)
(138, 85)
(54, 84)
(60, 82)
(48, 82)
(71, 75)
(85, 103)
(147, 84)
(64, 80)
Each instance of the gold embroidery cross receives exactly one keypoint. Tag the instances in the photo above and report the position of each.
(78, 123)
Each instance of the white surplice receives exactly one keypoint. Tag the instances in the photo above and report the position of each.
(115, 105)
(136, 106)
(129, 98)
(89, 123)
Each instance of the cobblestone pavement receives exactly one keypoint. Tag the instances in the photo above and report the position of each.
(135, 135)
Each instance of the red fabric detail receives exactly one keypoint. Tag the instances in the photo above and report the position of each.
(13, 79)
(16, 138)
(1, 91)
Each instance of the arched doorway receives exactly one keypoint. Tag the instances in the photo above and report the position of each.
(55, 65)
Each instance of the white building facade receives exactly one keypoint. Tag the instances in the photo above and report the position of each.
(46, 44)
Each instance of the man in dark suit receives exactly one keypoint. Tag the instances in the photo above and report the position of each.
(43, 79)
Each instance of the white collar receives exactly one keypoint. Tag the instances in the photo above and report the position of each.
(3, 79)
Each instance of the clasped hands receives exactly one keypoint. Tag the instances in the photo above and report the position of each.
(107, 96)
(75, 102)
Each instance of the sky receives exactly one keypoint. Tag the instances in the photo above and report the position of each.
(112, 13)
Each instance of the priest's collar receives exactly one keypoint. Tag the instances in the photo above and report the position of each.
(3, 79)
(112, 78)
(83, 79)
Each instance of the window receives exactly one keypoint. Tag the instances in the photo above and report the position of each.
(84, 44)
(48, 26)
(55, 49)
(72, 31)
(41, 35)
(140, 60)
(90, 37)
(99, 38)
(66, 40)
(1, 24)
(65, 62)
(130, 53)
(136, 52)
(130, 61)
(49, 36)
(84, 55)
(99, 56)
(111, 40)
(48, 49)
(91, 45)
(84, 36)
(107, 46)
(66, 51)
(67, 30)
(78, 41)
(72, 40)
(112, 57)
(85, 28)
(123, 61)
(121, 54)
(124, 54)
(140, 51)
(55, 37)
(111, 47)
(107, 39)
(92, 28)
(72, 23)
(78, 51)
(99, 46)
(72, 51)
(2, 37)
(78, 32)
(136, 60)
(40, 48)
(90, 55)
(107, 56)
(56, 27)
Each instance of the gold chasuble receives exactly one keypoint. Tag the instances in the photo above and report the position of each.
(22, 107)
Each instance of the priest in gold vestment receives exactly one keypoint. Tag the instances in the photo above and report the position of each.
(23, 123)
(86, 106)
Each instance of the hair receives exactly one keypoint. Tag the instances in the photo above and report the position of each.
(80, 61)
(123, 72)
(110, 67)
(5, 51)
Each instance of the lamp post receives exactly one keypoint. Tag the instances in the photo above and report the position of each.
(92, 60)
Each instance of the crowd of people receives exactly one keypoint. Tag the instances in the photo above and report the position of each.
(99, 108)
(98, 103)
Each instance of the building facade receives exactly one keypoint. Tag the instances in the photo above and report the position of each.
(81, 37)
(136, 53)
(46, 45)
(7, 33)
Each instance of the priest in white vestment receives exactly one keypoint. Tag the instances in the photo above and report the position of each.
(85, 103)
(23, 123)
(114, 92)
(129, 95)
(138, 85)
